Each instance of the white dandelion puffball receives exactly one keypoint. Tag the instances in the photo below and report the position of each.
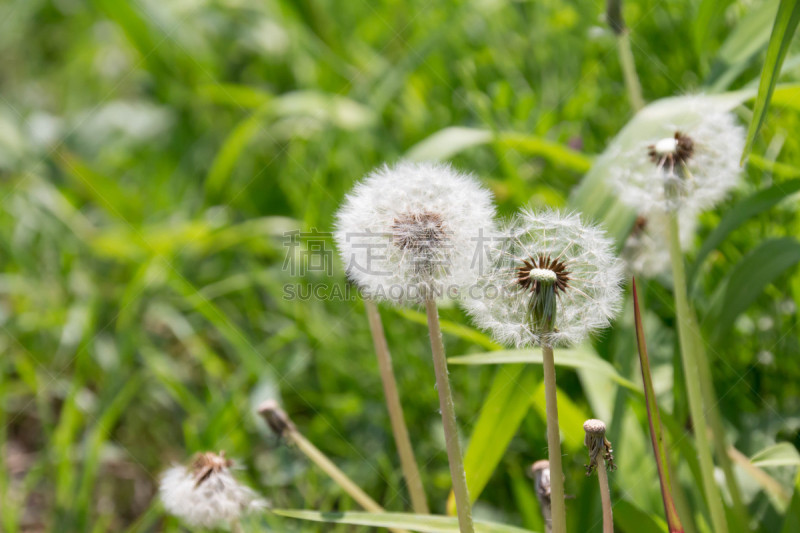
(206, 494)
(646, 250)
(415, 231)
(693, 165)
(555, 280)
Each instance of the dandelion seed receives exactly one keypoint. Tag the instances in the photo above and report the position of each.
(645, 251)
(555, 280)
(693, 166)
(206, 494)
(414, 230)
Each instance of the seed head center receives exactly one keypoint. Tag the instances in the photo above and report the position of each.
(671, 151)
(535, 273)
(418, 232)
(543, 275)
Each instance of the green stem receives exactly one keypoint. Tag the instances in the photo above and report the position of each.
(407, 461)
(632, 84)
(691, 374)
(605, 497)
(558, 509)
(459, 477)
(715, 420)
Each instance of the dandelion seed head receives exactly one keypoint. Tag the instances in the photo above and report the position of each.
(646, 250)
(414, 229)
(694, 165)
(579, 297)
(206, 494)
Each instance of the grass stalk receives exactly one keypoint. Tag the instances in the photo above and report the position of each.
(632, 84)
(447, 407)
(691, 372)
(557, 505)
(408, 463)
(617, 22)
(280, 423)
(715, 421)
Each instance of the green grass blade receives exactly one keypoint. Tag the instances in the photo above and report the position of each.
(411, 522)
(452, 140)
(656, 431)
(747, 39)
(741, 213)
(451, 328)
(749, 277)
(506, 405)
(571, 358)
(231, 150)
(630, 518)
(785, 25)
(792, 522)
(781, 454)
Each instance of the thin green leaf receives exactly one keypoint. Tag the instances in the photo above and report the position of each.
(506, 405)
(750, 276)
(787, 95)
(450, 141)
(781, 170)
(572, 358)
(570, 416)
(792, 522)
(747, 39)
(231, 150)
(630, 518)
(451, 328)
(656, 431)
(781, 454)
(741, 213)
(785, 25)
(411, 522)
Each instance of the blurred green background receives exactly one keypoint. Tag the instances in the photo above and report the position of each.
(154, 153)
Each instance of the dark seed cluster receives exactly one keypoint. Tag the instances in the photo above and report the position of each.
(418, 232)
(542, 262)
(683, 151)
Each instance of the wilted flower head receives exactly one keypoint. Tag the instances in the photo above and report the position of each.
(555, 280)
(693, 165)
(598, 445)
(646, 251)
(414, 231)
(206, 494)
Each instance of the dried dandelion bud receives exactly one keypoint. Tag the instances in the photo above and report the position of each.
(276, 418)
(598, 445)
(540, 472)
(645, 251)
(206, 494)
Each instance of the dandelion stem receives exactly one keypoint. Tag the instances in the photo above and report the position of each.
(715, 421)
(605, 497)
(632, 84)
(617, 23)
(691, 372)
(459, 477)
(407, 461)
(558, 509)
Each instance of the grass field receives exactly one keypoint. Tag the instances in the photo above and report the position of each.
(169, 174)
